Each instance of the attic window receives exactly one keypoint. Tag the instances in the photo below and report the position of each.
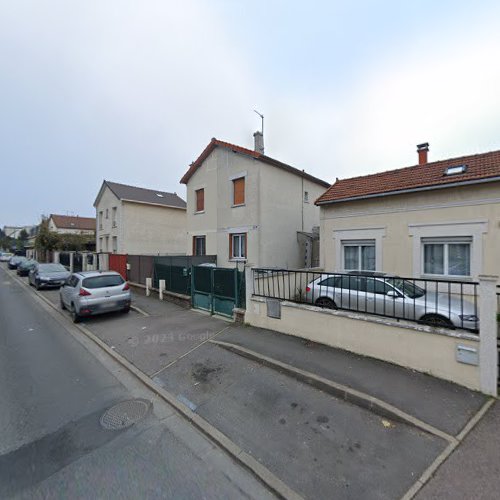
(71, 223)
(458, 169)
(159, 195)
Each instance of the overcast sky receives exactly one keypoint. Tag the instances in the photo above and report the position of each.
(132, 91)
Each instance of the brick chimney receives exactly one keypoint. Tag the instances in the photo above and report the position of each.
(258, 142)
(422, 150)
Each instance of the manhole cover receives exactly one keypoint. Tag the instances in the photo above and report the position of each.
(125, 414)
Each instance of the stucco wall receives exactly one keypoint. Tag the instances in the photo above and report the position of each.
(271, 216)
(152, 230)
(107, 201)
(398, 223)
(412, 346)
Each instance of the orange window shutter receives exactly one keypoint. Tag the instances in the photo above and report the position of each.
(239, 191)
(200, 200)
(230, 246)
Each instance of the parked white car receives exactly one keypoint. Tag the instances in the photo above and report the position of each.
(5, 256)
(95, 292)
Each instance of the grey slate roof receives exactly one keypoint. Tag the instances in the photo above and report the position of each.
(142, 195)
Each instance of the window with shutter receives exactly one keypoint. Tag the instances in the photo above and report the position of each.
(200, 200)
(239, 191)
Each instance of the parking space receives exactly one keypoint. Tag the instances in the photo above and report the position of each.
(320, 446)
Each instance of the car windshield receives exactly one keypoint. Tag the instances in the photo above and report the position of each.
(51, 268)
(407, 287)
(103, 281)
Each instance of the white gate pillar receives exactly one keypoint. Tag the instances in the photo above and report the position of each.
(488, 353)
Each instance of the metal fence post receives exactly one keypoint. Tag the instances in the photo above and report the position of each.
(248, 285)
(149, 285)
(488, 353)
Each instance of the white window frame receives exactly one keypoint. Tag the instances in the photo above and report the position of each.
(241, 246)
(365, 233)
(114, 244)
(446, 262)
(453, 229)
(359, 244)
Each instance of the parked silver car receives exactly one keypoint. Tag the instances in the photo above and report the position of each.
(95, 292)
(48, 275)
(392, 296)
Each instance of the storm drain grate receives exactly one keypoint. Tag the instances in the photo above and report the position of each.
(124, 414)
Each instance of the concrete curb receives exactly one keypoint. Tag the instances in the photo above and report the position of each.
(344, 392)
(264, 475)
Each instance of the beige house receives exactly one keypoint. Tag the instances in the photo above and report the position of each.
(244, 206)
(432, 220)
(138, 221)
(70, 224)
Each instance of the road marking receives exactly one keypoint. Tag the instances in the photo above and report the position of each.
(431, 470)
(353, 396)
(139, 310)
(264, 475)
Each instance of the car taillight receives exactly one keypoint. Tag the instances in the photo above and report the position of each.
(126, 287)
(84, 293)
(308, 288)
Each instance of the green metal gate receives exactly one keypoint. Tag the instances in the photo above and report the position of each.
(217, 290)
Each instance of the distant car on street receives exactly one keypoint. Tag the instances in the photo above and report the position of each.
(15, 261)
(48, 275)
(95, 292)
(25, 267)
(5, 256)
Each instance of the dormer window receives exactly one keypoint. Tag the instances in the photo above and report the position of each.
(458, 169)
(159, 195)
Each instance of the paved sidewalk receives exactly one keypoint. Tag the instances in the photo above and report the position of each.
(439, 403)
(473, 470)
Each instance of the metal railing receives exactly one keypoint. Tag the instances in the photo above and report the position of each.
(443, 303)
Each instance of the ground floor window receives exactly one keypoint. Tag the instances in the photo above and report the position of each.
(238, 246)
(447, 257)
(199, 245)
(359, 255)
(115, 244)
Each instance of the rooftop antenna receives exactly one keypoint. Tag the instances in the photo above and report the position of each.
(262, 120)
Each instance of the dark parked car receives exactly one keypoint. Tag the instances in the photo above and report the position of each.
(15, 261)
(25, 267)
(48, 275)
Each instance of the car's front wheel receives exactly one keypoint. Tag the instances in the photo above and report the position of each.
(326, 302)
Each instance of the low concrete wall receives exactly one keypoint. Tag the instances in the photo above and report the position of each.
(419, 347)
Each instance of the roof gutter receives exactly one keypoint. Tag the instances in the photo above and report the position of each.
(153, 204)
(413, 190)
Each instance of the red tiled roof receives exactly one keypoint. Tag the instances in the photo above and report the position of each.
(479, 167)
(249, 152)
(73, 222)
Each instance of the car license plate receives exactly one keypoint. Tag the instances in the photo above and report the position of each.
(109, 305)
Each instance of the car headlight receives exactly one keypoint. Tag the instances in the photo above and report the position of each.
(469, 317)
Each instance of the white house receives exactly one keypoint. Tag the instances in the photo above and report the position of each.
(433, 220)
(71, 224)
(244, 206)
(139, 221)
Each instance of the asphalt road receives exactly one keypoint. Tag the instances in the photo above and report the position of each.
(54, 389)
